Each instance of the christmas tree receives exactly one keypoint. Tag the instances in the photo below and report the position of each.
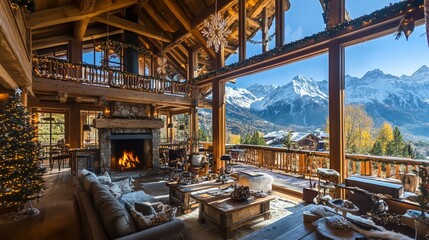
(21, 174)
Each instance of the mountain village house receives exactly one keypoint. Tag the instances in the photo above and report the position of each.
(112, 89)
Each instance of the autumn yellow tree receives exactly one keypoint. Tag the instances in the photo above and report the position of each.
(384, 136)
(358, 127)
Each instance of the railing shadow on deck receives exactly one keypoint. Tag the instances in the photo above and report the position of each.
(106, 77)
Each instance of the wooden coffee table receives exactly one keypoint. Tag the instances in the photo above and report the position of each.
(181, 194)
(229, 214)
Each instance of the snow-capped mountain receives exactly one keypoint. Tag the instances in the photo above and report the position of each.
(260, 91)
(402, 101)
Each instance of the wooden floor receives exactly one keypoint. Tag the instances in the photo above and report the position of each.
(56, 219)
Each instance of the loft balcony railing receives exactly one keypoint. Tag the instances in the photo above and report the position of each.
(305, 162)
(105, 77)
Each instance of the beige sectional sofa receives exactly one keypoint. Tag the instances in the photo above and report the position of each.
(101, 216)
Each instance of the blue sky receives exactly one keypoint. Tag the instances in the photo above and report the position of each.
(392, 56)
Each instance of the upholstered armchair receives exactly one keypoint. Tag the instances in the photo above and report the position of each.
(197, 163)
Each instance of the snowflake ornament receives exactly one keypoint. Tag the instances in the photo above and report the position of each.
(216, 31)
(162, 65)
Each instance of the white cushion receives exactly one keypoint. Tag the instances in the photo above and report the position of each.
(197, 160)
(256, 182)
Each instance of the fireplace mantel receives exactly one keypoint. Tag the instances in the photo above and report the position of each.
(127, 123)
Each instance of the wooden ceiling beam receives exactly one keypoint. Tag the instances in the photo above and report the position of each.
(86, 5)
(49, 42)
(157, 18)
(186, 22)
(80, 28)
(71, 13)
(91, 33)
(222, 5)
(130, 26)
(181, 70)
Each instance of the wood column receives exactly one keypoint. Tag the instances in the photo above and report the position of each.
(264, 29)
(280, 23)
(169, 130)
(131, 56)
(191, 66)
(242, 38)
(336, 95)
(336, 109)
(218, 114)
(75, 51)
(75, 123)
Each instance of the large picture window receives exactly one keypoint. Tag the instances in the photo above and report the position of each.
(51, 127)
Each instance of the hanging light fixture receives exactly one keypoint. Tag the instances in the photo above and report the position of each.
(216, 30)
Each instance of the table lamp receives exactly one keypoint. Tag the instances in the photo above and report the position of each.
(228, 167)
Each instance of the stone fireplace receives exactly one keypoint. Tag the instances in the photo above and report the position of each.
(128, 139)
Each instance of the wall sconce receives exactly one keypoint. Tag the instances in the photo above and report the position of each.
(170, 125)
(181, 127)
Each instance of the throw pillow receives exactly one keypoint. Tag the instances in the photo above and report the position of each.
(125, 185)
(159, 206)
(115, 190)
(145, 208)
(144, 222)
(104, 179)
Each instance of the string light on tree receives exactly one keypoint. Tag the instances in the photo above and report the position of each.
(21, 174)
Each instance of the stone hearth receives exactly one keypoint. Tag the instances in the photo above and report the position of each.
(121, 128)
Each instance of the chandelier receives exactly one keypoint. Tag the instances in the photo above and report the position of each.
(215, 30)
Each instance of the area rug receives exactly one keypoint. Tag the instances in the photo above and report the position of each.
(207, 231)
(279, 208)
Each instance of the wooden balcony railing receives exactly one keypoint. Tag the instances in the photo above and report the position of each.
(99, 76)
(305, 163)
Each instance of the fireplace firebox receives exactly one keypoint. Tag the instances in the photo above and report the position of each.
(131, 151)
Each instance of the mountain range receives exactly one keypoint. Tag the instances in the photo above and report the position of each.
(302, 104)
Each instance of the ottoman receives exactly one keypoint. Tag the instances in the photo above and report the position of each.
(256, 181)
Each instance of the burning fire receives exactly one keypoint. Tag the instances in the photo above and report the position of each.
(128, 160)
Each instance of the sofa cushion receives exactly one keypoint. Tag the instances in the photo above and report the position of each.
(115, 218)
(83, 173)
(145, 208)
(88, 182)
(144, 222)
